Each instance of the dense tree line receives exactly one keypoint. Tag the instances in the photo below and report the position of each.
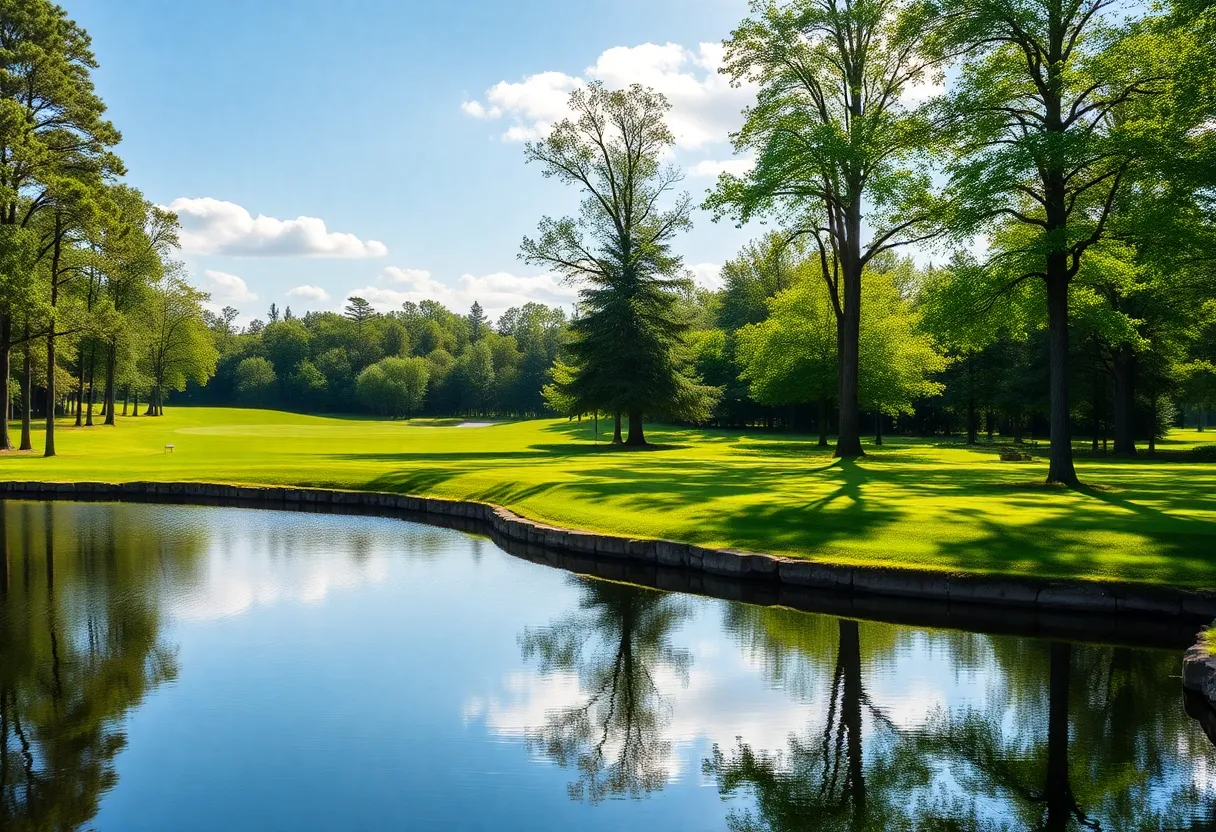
(422, 358)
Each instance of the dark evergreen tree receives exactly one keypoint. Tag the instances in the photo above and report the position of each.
(358, 309)
(627, 344)
(478, 323)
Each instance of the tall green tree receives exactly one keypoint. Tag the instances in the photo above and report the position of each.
(358, 309)
(1049, 136)
(627, 344)
(899, 361)
(760, 270)
(836, 142)
(478, 323)
(52, 130)
(138, 238)
(180, 347)
(65, 230)
(256, 382)
(790, 357)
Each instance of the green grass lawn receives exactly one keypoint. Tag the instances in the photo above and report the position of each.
(910, 503)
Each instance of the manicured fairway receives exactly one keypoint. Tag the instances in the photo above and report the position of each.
(911, 503)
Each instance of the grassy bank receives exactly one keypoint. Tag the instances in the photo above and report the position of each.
(910, 503)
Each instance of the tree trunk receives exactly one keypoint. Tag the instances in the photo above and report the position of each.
(126, 398)
(27, 396)
(80, 383)
(92, 386)
(1057, 790)
(823, 422)
(878, 428)
(111, 359)
(49, 448)
(1060, 470)
(6, 354)
(848, 432)
(990, 423)
(636, 437)
(616, 428)
(135, 409)
(1125, 401)
(1016, 419)
(973, 428)
(1152, 433)
(1096, 406)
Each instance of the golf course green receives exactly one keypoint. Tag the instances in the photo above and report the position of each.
(923, 503)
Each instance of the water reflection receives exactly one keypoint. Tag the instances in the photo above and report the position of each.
(1062, 737)
(79, 647)
(847, 769)
(617, 643)
(432, 681)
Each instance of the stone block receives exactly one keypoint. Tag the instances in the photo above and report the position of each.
(901, 582)
(979, 589)
(642, 550)
(809, 573)
(610, 545)
(1077, 597)
(724, 561)
(671, 553)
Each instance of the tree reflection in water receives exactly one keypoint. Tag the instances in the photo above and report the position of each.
(825, 779)
(79, 647)
(1068, 737)
(617, 643)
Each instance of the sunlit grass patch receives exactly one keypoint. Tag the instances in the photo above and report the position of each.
(914, 502)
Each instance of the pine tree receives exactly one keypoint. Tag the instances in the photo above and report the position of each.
(478, 323)
(358, 309)
(628, 341)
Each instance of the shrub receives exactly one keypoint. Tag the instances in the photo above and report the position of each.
(393, 386)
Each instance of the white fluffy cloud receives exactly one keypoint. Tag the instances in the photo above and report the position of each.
(705, 108)
(213, 226)
(707, 275)
(309, 294)
(713, 168)
(495, 292)
(226, 289)
(396, 274)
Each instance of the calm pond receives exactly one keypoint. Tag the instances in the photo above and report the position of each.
(191, 668)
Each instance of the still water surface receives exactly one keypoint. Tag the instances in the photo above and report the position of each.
(185, 668)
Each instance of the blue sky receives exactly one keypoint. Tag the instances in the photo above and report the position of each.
(393, 124)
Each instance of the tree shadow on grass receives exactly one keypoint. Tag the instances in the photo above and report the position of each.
(585, 431)
(1061, 547)
(1013, 527)
(798, 450)
(579, 449)
(440, 456)
(413, 480)
(488, 457)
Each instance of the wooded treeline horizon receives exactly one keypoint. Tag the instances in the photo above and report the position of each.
(1078, 143)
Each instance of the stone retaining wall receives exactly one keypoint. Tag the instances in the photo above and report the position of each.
(1121, 600)
(1199, 669)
